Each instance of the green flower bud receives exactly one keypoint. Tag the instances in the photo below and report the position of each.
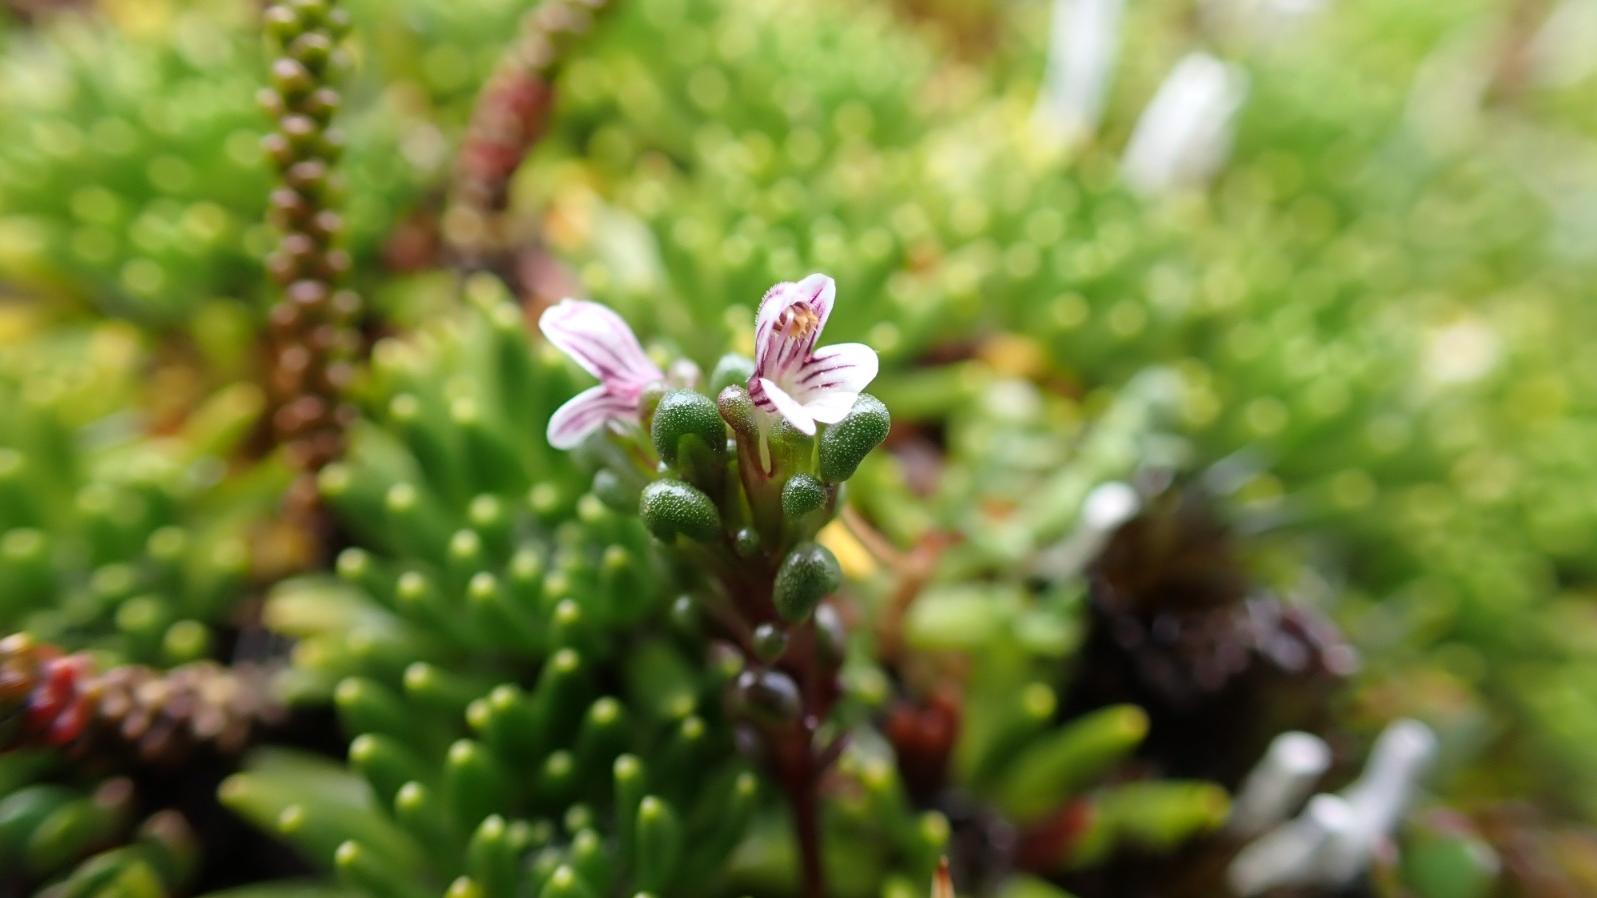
(682, 414)
(312, 50)
(281, 22)
(671, 507)
(770, 641)
(291, 78)
(368, 871)
(808, 574)
(845, 444)
(690, 437)
(746, 542)
(830, 635)
(602, 735)
(631, 783)
(801, 495)
(577, 818)
(685, 615)
(737, 409)
(556, 782)
(769, 695)
(312, 13)
(731, 370)
(591, 860)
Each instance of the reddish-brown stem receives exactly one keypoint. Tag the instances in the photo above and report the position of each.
(807, 762)
(798, 763)
(805, 797)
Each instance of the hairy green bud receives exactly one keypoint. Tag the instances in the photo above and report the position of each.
(769, 695)
(690, 438)
(746, 542)
(830, 635)
(737, 409)
(808, 574)
(801, 495)
(671, 507)
(684, 416)
(770, 641)
(845, 444)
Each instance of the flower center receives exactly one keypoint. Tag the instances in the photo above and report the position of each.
(798, 320)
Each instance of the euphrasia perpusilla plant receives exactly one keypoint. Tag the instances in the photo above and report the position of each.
(525, 712)
(737, 487)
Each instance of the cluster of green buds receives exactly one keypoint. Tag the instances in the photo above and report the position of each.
(738, 487)
(313, 340)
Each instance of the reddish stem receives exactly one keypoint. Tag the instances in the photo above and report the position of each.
(805, 798)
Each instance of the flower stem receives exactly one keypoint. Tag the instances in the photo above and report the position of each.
(805, 799)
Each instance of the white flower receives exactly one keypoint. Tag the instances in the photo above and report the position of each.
(598, 340)
(1083, 44)
(792, 378)
(1184, 135)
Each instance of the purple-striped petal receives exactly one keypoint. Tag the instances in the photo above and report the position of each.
(830, 408)
(841, 367)
(774, 397)
(598, 340)
(585, 413)
(785, 335)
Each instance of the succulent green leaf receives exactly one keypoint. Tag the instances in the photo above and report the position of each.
(659, 846)
(1057, 764)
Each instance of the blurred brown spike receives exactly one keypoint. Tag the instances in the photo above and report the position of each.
(313, 336)
(49, 698)
(511, 113)
(943, 882)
